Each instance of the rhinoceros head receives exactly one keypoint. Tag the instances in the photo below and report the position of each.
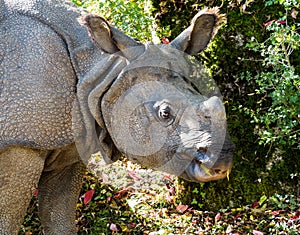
(162, 110)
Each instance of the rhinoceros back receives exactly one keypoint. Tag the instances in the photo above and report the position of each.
(44, 52)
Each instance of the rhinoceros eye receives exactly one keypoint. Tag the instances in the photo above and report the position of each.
(164, 112)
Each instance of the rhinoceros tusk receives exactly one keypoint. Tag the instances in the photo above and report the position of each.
(205, 169)
(227, 174)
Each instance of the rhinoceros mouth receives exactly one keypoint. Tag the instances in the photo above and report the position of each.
(203, 174)
(198, 172)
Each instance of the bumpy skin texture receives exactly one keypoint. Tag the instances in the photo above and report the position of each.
(59, 187)
(34, 113)
(44, 54)
(44, 51)
(22, 170)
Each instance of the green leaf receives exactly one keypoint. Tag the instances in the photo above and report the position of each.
(262, 199)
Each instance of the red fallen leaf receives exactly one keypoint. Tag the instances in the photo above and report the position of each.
(134, 175)
(255, 204)
(238, 215)
(113, 227)
(275, 212)
(172, 190)
(295, 216)
(165, 40)
(191, 210)
(217, 217)
(268, 23)
(131, 225)
(255, 232)
(120, 194)
(281, 22)
(182, 208)
(87, 197)
(168, 177)
(36, 192)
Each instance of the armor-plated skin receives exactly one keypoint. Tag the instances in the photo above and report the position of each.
(60, 97)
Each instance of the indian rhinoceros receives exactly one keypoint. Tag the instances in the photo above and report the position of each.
(70, 88)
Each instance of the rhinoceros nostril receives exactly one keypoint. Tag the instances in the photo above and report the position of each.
(201, 157)
(201, 149)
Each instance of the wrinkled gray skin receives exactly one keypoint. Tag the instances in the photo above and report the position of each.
(57, 97)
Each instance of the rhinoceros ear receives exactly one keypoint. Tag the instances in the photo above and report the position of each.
(197, 36)
(106, 37)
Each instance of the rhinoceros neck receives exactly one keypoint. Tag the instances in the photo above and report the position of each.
(61, 16)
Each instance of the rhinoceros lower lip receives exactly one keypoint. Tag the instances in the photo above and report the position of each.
(199, 173)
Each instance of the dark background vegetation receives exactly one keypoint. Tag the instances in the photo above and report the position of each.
(259, 169)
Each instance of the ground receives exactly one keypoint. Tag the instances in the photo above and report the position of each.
(124, 198)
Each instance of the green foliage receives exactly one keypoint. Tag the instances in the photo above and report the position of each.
(277, 112)
(258, 169)
(132, 17)
(31, 223)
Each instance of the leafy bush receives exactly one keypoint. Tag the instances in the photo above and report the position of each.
(132, 17)
(258, 169)
(277, 113)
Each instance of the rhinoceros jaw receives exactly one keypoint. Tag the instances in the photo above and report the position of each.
(199, 172)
